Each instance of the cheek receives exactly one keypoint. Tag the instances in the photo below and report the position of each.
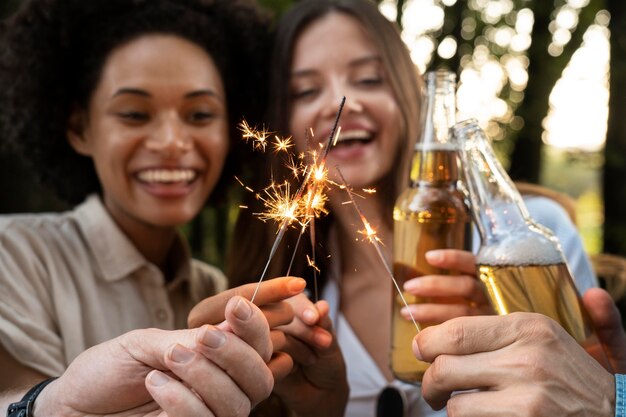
(299, 125)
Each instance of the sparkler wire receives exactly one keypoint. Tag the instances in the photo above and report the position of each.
(375, 241)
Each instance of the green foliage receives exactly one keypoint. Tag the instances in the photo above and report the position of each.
(278, 6)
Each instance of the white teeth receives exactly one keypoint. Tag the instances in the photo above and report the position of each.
(166, 175)
(359, 134)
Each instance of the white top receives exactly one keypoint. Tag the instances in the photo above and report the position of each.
(367, 381)
(72, 280)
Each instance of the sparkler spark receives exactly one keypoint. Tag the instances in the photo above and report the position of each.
(282, 144)
(370, 235)
(257, 136)
(285, 208)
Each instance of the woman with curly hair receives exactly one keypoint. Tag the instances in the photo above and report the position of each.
(127, 107)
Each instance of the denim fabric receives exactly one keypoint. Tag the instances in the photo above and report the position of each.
(620, 395)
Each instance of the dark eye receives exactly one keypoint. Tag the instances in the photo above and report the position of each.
(134, 116)
(309, 92)
(200, 116)
(370, 81)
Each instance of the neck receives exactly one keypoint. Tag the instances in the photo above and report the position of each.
(154, 243)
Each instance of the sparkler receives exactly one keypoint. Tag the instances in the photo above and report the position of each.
(287, 209)
(370, 234)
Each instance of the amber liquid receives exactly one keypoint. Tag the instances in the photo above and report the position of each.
(431, 215)
(545, 289)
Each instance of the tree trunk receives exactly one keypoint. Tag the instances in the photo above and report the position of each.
(615, 151)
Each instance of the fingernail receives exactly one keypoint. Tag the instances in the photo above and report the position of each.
(296, 285)
(157, 378)
(434, 256)
(310, 315)
(416, 350)
(213, 338)
(242, 310)
(412, 284)
(181, 354)
(322, 338)
(406, 313)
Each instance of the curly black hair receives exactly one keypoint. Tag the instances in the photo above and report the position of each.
(52, 53)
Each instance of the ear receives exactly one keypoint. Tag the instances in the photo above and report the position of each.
(76, 132)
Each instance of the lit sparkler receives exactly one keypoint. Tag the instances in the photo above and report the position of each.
(370, 234)
(286, 209)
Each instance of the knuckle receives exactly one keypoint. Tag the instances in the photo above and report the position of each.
(241, 408)
(455, 333)
(454, 406)
(439, 370)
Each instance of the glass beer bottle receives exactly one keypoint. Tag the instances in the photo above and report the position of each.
(430, 214)
(519, 261)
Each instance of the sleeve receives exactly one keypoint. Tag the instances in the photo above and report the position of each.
(620, 395)
(551, 215)
(28, 329)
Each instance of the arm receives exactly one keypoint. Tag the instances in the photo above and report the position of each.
(521, 363)
(22, 378)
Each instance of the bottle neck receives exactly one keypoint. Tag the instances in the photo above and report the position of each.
(435, 166)
(496, 204)
(436, 154)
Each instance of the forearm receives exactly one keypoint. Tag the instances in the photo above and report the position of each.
(8, 397)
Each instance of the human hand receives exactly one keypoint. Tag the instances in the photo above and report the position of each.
(181, 373)
(607, 323)
(318, 383)
(270, 298)
(521, 364)
(448, 296)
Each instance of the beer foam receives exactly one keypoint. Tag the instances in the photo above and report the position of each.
(521, 249)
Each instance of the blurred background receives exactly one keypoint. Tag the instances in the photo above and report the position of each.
(545, 78)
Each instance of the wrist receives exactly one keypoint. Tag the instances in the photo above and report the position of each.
(26, 406)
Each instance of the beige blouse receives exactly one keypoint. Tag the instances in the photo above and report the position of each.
(72, 280)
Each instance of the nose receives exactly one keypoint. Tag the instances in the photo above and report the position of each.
(169, 137)
(333, 100)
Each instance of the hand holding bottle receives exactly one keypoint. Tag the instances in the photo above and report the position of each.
(448, 296)
(521, 364)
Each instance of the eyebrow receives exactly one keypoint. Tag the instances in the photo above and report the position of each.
(143, 93)
(356, 63)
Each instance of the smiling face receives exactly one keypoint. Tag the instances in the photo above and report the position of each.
(333, 57)
(156, 130)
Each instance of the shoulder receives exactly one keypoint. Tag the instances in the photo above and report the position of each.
(548, 212)
(37, 229)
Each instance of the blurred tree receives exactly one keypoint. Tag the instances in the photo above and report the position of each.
(545, 67)
(615, 150)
